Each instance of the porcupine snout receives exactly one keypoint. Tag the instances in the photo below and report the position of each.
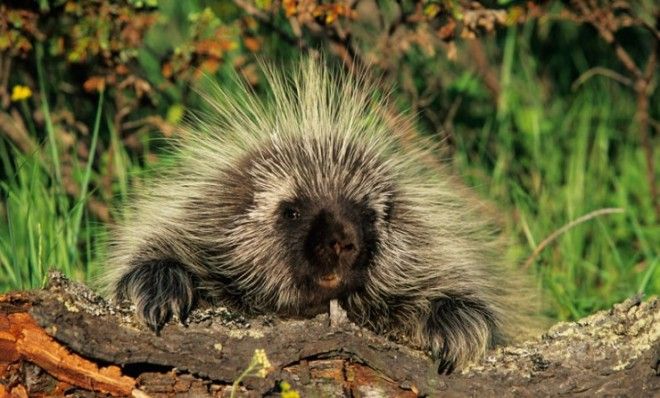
(332, 246)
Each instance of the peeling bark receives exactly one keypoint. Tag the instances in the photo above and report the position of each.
(65, 340)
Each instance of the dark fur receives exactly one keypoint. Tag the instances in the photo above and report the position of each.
(165, 289)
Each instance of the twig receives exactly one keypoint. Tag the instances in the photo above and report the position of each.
(594, 18)
(489, 76)
(553, 236)
(599, 70)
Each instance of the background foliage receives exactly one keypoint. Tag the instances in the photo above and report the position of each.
(548, 109)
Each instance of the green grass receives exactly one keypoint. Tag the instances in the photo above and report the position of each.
(544, 158)
(44, 226)
(555, 160)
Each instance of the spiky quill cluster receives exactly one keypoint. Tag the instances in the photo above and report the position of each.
(280, 205)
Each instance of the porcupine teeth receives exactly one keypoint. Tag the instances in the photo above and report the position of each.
(329, 281)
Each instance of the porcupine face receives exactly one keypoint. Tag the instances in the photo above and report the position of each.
(319, 205)
(329, 244)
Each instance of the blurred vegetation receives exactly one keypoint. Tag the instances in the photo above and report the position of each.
(548, 109)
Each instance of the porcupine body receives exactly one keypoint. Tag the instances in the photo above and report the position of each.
(280, 205)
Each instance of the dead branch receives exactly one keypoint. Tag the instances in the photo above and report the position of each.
(612, 352)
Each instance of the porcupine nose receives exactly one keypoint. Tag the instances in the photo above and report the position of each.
(332, 242)
(340, 237)
(341, 240)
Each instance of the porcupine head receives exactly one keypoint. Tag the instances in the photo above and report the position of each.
(279, 205)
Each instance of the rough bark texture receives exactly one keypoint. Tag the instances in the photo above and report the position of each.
(65, 340)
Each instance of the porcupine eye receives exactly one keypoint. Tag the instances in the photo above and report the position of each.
(291, 213)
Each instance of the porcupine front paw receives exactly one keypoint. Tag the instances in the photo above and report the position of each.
(159, 289)
(460, 331)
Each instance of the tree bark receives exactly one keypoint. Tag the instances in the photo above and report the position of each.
(66, 340)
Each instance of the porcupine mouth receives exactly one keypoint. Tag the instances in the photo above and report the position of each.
(329, 281)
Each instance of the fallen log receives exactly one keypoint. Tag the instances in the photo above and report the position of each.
(66, 340)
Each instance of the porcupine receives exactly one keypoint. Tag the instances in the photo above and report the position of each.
(280, 205)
